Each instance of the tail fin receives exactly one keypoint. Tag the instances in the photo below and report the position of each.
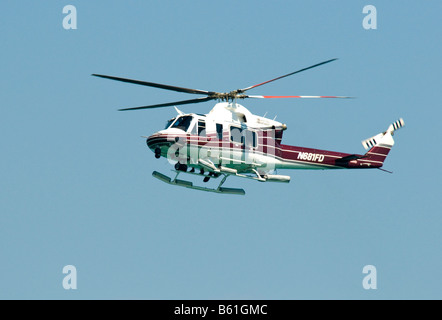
(380, 145)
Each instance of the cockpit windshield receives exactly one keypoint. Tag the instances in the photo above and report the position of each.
(169, 122)
(183, 123)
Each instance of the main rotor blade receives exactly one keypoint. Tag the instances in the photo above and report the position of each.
(306, 97)
(177, 103)
(156, 85)
(298, 71)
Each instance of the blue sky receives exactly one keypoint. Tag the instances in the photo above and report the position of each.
(76, 184)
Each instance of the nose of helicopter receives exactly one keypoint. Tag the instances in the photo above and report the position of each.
(159, 142)
(151, 141)
(156, 140)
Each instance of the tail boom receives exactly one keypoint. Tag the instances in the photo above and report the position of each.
(305, 158)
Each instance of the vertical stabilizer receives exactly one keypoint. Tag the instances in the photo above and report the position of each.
(380, 145)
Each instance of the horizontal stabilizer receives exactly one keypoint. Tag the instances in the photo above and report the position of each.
(350, 157)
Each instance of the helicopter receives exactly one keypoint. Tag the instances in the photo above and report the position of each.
(232, 141)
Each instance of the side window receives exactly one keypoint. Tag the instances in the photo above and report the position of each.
(236, 135)
(250, 137)
(219, 131)
(201, 128)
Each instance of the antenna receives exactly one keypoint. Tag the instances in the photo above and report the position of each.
(385, 170)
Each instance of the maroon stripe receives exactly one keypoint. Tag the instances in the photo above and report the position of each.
(375, 157)
(380, 150)
(267, 146)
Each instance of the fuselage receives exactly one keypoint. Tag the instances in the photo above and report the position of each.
(232, 137)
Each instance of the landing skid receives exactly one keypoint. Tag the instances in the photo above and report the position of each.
(189, 184)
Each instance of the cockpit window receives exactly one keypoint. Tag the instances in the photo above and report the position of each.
(183, 123)
(169, 122)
